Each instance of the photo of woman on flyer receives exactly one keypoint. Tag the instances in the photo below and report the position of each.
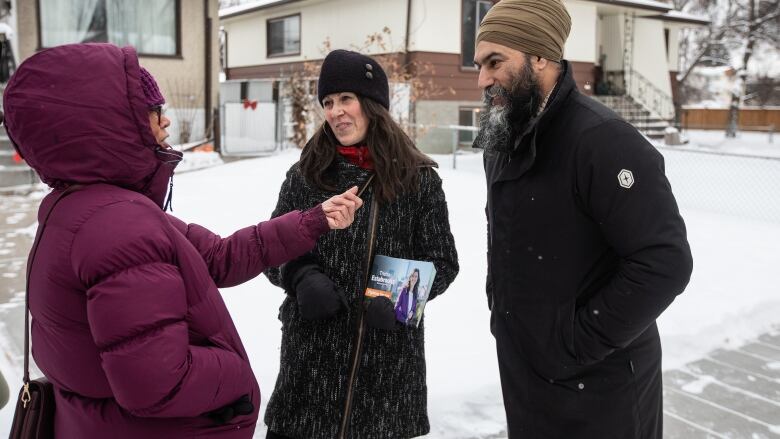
(406, 307)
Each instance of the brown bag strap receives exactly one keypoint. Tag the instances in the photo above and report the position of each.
(33, 251)
(372, 217)
(366, 185)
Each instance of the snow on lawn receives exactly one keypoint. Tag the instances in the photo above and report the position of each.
(733, 294)
(746, 142)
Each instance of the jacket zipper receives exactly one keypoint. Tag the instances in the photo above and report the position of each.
(357, 350)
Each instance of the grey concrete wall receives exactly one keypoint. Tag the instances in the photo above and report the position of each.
(436, 140)
(26, 28)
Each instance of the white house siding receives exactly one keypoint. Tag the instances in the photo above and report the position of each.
(435, 26)
(650, 58)
(581, 45)
(611, 40)
(245, 37)
(346, 23)
(674, 46)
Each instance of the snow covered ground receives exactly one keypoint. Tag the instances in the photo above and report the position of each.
(734, 294)
(746, 143)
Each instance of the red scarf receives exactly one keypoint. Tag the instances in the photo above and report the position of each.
(357, 155)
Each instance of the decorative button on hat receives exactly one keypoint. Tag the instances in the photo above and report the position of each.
(348, 71)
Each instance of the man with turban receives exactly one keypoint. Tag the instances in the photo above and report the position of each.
(586, 246)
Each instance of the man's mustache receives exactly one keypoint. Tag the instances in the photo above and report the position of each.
(493, 92)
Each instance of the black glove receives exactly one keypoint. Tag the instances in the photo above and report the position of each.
(241, 406)
(317, 295)
(380, 313)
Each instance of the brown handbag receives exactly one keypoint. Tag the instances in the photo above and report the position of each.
(34, 414)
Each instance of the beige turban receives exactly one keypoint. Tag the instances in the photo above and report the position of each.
(534, 27)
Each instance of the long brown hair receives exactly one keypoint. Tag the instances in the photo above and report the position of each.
(397, 161)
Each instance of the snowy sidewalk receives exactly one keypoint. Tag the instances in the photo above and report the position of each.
(726, 394)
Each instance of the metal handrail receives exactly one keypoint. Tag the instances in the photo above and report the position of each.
(650, 96)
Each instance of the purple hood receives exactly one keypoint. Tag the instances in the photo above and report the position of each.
(77, 115)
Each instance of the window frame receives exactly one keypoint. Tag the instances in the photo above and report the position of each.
(177, 20)
(471, 67)
(475, 111)
(268, 21)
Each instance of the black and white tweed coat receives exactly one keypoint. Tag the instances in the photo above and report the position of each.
(390, 394)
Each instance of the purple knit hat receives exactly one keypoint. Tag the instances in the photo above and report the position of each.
(151, 91)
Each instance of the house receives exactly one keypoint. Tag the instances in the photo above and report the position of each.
(622, 47)
(177, 40)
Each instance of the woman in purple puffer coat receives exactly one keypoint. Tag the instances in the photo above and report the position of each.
(128, 323)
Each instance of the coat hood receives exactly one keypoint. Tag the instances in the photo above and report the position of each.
(76, 113)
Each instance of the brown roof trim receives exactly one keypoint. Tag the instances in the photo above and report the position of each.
(256, 8)
(634, 5)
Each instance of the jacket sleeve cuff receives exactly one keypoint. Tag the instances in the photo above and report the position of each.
(314, 222)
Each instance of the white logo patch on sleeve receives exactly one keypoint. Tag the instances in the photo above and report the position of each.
(626, 178)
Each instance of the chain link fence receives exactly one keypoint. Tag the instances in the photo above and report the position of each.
(747, 186)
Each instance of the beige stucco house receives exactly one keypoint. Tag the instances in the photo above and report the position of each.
(177, 41)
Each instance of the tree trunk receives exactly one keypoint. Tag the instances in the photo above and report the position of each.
(736, 98)
(731, 126)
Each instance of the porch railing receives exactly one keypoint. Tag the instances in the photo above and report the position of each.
(650, 96)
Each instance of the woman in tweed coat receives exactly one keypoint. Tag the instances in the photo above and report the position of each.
(349, 370)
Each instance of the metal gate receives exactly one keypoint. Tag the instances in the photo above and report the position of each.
(250, 118)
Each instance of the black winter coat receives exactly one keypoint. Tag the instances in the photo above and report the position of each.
(390, 394)
(586, 249)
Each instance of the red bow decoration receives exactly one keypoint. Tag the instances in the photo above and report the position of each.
(18, 158)
(248, 104)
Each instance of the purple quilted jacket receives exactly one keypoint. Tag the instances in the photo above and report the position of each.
(127, 320)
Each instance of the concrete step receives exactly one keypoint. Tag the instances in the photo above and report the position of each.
(7, 158)
(651, 126)
(636, 114)
(631, 112)
(15, 176)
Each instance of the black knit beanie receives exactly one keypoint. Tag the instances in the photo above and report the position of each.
(348, 71)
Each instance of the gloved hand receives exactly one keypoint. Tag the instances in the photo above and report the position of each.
(317, 295)
(380, 313)
(241, 406)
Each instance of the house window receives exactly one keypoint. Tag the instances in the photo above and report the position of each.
(284, 36)
(468, 117)
(473, 13)
(151, 26)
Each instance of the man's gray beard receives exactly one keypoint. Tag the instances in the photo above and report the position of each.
(495, 131)
(500, 124)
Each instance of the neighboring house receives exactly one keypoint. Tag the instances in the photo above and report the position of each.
(177, 40)
(8, 45)
(615, 46)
